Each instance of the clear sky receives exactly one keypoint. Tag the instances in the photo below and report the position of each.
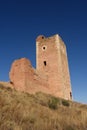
(21, 21)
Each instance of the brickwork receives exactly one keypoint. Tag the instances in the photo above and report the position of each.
(25, 78)
(51, 74)
(52, 61)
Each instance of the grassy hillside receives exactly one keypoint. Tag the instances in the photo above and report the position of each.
(22, 111)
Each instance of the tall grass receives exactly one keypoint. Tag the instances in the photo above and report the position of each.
(22, 111)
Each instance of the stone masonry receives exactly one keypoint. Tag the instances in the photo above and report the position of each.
(51, 74)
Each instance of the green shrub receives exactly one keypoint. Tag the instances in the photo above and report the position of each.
(65, 103)
(52, 103)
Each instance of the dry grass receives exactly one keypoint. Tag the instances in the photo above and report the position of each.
(22, 111)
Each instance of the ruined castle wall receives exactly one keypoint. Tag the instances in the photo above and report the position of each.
(51, 74)
(25, 78)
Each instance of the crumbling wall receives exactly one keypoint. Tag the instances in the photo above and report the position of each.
(25, 78)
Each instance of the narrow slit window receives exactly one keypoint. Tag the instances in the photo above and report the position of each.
(71, 95)
(45, 63)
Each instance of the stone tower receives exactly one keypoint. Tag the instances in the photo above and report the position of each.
(52, 63)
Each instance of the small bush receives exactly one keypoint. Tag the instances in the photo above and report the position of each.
(9, 88)
(65, 103)
(52, 103)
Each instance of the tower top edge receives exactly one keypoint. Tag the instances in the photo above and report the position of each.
(42, 37)
(56, 38)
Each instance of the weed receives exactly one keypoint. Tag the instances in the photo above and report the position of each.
(52, 103)
(65, 103)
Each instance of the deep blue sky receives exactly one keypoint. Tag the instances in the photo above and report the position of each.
(21, 21)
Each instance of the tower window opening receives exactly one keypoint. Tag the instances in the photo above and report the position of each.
(44, 48)
(42, 37)
(71, 95)
(45, 63)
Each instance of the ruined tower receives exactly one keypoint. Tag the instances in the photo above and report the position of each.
(51, 62)
(51, 75)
